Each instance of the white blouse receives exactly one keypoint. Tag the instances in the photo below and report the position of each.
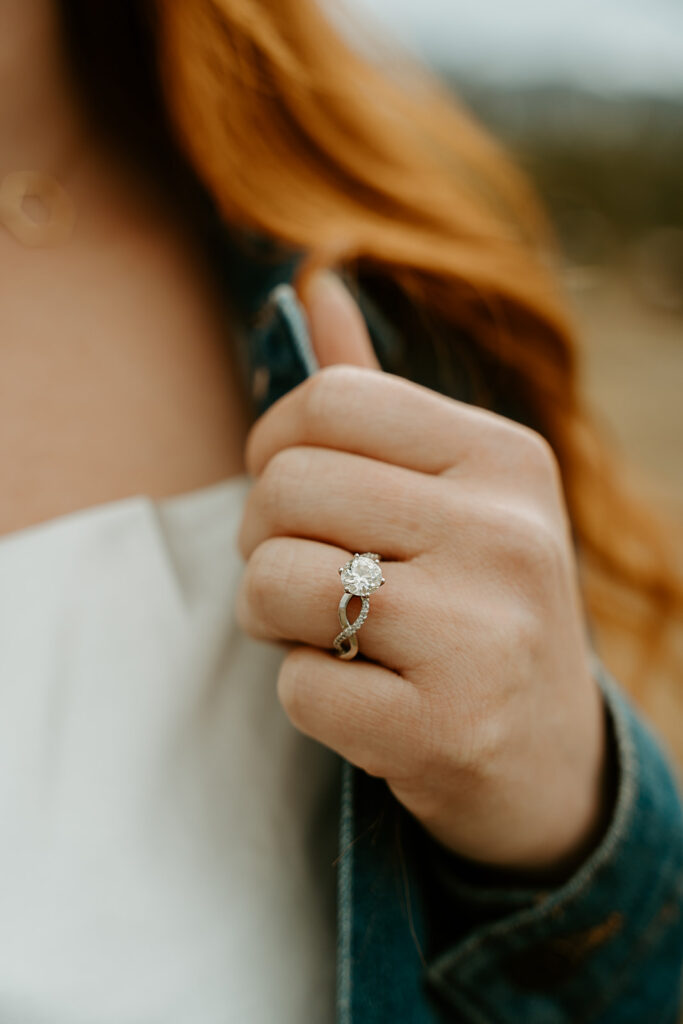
(167, 836)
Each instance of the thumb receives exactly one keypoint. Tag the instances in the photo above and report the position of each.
(338, 331)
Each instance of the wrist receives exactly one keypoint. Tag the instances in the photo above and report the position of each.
(542, 838)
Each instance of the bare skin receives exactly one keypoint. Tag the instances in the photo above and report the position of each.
(115, 370)
(477, 704)
(115, 378)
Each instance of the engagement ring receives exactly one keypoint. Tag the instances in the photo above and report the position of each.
(361, 576)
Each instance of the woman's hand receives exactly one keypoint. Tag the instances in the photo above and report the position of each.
(477, 704)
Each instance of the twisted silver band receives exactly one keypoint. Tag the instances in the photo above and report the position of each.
(361, 576)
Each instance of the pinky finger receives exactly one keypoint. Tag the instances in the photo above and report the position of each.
(366, 713)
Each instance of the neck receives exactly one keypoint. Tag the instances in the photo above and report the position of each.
(41, 123)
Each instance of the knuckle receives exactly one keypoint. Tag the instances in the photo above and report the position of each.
(323, 392)
(520, 450)
(258, 589)
(524, 632)
(475, 729)
(319, 392)
(278, 481)
(244, 613)
(483, 748)
(533, 547)
(468, 726)
(274, 476)
(492, 733)
(538, 452)
(487, 521)
(290, 687)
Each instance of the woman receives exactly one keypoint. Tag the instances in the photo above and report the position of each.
(510, 833)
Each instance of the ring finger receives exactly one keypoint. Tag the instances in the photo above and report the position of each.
(291, 589)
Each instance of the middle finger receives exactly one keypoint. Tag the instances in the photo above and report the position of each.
(349, 500)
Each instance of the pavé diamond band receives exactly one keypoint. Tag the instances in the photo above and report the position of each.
(361, 576)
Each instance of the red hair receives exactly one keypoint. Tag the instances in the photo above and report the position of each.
(296, 136)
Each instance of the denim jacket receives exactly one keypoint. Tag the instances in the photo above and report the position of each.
(421, 938)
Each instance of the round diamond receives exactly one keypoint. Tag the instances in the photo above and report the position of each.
(361, 575)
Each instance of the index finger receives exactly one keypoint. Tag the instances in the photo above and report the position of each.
(372, 413)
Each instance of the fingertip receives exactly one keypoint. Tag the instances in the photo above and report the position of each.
(338, 330)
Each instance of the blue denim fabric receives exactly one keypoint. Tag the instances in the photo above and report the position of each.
(419, 940)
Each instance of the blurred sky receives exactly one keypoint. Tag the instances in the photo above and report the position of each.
(619, 45)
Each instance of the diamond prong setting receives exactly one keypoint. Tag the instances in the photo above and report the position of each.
(362, 575)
